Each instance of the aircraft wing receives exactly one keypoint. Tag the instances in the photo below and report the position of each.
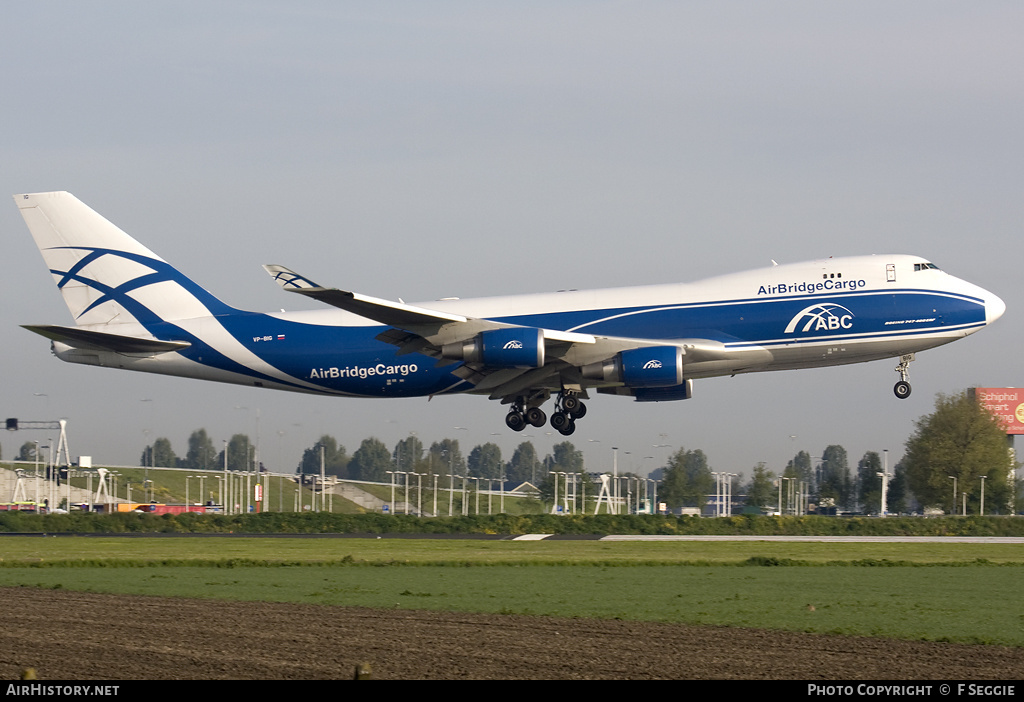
(397, 314)
(442, 335)
(427, 331)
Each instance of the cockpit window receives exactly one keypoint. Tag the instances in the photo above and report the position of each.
(925, 266)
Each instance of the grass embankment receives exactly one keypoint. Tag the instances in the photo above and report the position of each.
(372, 523)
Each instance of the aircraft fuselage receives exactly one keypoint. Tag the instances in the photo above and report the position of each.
(821, 313)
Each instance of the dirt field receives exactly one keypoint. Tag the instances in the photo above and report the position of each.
(82, 636)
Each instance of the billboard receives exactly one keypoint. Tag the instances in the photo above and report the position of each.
(1005, 403)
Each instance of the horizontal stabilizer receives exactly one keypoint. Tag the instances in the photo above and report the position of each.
(102, 341)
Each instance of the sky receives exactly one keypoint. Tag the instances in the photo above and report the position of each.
(424, 150)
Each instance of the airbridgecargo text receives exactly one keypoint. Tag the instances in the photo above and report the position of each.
(806, 287)
(363, 372)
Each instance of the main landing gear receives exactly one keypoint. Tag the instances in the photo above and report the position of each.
(568, 408)
(902, 388)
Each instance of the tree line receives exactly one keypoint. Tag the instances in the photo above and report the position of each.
(957, 460)
(956, 457)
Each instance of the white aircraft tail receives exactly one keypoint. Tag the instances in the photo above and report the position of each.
(105, 276)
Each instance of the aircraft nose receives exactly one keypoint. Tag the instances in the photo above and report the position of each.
(994, 307)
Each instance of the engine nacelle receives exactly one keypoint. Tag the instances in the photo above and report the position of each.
(676, 392)
(645, 367)
(514, 347)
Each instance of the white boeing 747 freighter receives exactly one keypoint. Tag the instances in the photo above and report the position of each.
(133, 310)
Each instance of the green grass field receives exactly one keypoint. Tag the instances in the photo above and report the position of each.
(950, 592)
(21, 549)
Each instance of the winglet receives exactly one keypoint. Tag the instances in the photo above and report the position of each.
(289, 279)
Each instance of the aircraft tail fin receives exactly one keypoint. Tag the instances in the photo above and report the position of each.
(104, 275)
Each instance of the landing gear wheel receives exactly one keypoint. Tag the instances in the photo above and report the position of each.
(536, 417)
(580, 412)
(571, 404)
(568, 429)
(560, 420)
(902, 388)
(515, 420)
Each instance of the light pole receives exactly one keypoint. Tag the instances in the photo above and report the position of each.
(884, 475)
(982, 510)
(451, 483)
(789, 496)
(728, 493)
(226, 494)
(392, 474)
(953, 478)
(476, 502)
(885, 484)
(419, 494)
(435, 494)
(323, 467)
(565, 492)
(615, 478)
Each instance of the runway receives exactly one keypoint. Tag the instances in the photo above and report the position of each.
(553, 537)
(825, 539)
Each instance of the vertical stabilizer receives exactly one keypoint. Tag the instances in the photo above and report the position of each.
(104, 275)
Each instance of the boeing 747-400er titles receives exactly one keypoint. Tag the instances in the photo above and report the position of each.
(134, 310)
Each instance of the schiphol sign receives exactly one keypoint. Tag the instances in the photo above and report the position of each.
(1007, 404)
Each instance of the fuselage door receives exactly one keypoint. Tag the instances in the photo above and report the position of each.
(890, 272)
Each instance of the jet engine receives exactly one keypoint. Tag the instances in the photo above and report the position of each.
(644, 367)
(513, 347)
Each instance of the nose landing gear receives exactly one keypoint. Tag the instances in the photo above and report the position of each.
(902, 388)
